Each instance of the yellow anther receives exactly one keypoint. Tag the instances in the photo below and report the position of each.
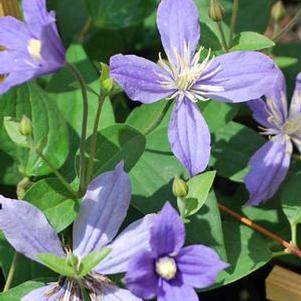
(166, 267)
(34, 48)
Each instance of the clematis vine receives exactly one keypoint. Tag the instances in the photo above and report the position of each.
(233, 77)
(31, 48)
(101, 214)
(169, 270)
(270, 164)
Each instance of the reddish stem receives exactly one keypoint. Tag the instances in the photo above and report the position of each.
(290, 247)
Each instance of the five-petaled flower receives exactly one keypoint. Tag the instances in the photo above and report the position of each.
(270, 164)
(233, 77)
(169, 270)
(29, 49)
(102, 212)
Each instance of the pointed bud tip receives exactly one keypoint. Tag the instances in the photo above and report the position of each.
(278, 11)
(179, 188)
(216, 11)
(25, 126)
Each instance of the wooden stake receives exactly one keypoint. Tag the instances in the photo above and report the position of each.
(9, 8)
(283, 285)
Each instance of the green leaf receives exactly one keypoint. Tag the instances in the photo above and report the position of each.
(49, 133)
(12, 129)
(285, 61)
(217, 114)
(92, 260)
(51, 197)
(16, 293)
(246, 252)
(116, 143)
(249, 40)
(205, 227)
(199, 187)
(69, 98)
(290, 195)
(119, 13)
(144, 117)
(153, 174)
(56, 264)
(233, 146)
(69, 26)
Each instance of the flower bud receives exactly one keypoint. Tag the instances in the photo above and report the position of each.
(106, 83)
(179, 188)
(216, 11)
(25, 126)
(73, 261)
(278, 11)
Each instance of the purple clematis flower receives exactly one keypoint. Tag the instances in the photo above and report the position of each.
(102, 212)
(270, 164)
(168, 270)
(29, 49)
(233, 77)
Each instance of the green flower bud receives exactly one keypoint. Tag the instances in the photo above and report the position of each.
(106, 83)
(179, 188)
(25, 126)
(74, 262)
(278, 11)
(216, 11)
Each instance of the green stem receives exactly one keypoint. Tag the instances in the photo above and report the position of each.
(294, 230)
(94, 139)
(11, 273)
(288, 27)
(57, 173)
(156, 123)
(233, 20)
(81, 81)
(223, 37)
(297, 157)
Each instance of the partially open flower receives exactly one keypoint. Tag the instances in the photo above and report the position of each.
(31, 48)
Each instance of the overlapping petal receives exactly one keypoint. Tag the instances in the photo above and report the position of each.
(113, 293)
(167, 232)
(40, 294)
(295, 107)
(243, 75)
(27, 229)
(141, 278)
(36, 14)
(178, 23)
(199, 266)
(260, 112)
(177, 291)
(139, 78)
(189, 136)
(102, 211)
(268, 168)
(132, 240)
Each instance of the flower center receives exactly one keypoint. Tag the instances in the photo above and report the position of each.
(34, 48)
(188, 77)
(166, 267)
(292, 126)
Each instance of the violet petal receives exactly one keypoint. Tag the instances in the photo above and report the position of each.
(189, 136)
(139, 78)
(167, 232)
(268, 168)
(102, 211)
(27, 229)
(129, 242)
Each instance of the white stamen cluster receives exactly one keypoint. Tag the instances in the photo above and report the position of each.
(34, 48)
(166, 267)
(289, 127)
(187, 74)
